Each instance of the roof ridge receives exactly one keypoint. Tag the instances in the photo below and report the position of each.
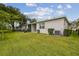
(52, 19)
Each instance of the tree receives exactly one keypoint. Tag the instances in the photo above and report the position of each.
(12, 15)
(33, 20)
(9, 15)
(3, 7)
(4, 19)
(77, 23)
(13, 19)
(24, 23)
(15, 15)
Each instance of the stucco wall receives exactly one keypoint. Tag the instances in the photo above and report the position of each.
(66, 26)
(55, 24)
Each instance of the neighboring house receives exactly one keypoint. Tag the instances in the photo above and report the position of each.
(77, 27)
(73, 26)
(23, 26)
(58, 24)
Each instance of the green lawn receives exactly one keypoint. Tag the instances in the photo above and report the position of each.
(33, 44)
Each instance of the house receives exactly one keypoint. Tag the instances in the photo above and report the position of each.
(73, 26)
(58, 24)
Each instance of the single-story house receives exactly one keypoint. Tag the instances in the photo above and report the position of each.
(58, 24)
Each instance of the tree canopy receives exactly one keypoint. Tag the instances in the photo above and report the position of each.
(33, 20)
(9, 14)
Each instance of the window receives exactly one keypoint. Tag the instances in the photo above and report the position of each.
(42, 25)
(57, 32)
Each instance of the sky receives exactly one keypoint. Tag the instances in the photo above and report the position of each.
(43, 11)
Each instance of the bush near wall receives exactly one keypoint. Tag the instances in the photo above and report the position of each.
(67, 32)
(74, 33)
(38, 31)
(50, 31)
(28, 30)
(77, 31)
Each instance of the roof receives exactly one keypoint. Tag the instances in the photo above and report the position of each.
(52, 20)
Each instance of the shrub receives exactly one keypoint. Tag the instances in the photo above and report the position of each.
(50, 31)
(67, 32)
(74, 33)
(28, 30)
(77, 31)
(38, 31)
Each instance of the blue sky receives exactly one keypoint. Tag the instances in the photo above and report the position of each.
(43, 11)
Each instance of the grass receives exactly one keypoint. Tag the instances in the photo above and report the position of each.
(33, 44)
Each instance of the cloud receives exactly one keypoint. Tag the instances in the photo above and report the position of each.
(31, 4)
(60, 12)
(44, 11)
(64, 7)
(48, 12)
(60, 6)
(40, 12)
(68, 6)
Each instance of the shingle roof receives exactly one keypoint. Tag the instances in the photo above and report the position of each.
(52, 20)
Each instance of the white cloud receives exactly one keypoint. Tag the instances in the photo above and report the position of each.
(68, 6)
(31, 4)
(40, 12)
(64, 7)
(44, 11)
(60, 6)
(60, 12)
(61, 9)
(48, 12)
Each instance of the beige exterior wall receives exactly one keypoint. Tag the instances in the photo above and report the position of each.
(59, 25)
(66, 26)
(33, 28)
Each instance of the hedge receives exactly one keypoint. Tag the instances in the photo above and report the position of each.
(50, 31)
(28, 30)
(38, 31)
(67, 32)
(77, 31)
